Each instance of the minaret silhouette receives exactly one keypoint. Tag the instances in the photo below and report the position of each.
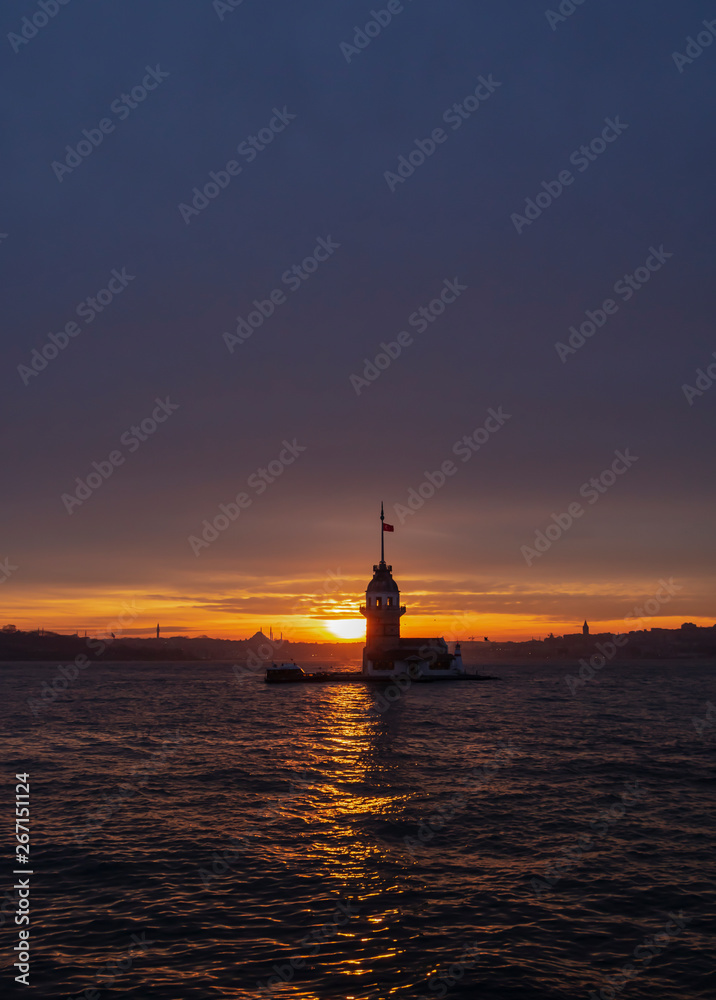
(585, 629)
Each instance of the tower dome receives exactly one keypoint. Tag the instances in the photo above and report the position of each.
(382, 581)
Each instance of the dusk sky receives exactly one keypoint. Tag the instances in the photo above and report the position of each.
(332, 113)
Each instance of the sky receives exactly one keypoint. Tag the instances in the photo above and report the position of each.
(424, 156)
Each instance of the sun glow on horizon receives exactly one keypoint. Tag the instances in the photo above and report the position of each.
(346, 628)
(298, 613)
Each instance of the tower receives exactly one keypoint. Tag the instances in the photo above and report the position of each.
(585, 629)
(382, 610)
(387, 655)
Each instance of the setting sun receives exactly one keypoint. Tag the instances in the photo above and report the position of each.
(347, 628)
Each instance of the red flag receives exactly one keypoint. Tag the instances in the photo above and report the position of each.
(388, 527)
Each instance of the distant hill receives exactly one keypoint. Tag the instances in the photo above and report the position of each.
(18, 645)
(687, 642)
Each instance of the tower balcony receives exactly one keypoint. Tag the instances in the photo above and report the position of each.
(381, 611)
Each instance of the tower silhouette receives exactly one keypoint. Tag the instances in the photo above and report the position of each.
(382, 610)
(387, 655)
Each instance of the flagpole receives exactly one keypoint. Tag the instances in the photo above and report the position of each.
(382, 534)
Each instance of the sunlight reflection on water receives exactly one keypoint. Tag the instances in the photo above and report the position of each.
(348, 852)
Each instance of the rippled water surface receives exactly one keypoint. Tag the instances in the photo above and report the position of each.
(322, 842)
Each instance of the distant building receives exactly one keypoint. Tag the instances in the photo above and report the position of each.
(585, 629)
(385, 653)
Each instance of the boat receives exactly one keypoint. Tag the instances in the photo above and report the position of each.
(291, 673)
(284, 673)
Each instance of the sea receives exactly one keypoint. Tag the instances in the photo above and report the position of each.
(197, 833)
